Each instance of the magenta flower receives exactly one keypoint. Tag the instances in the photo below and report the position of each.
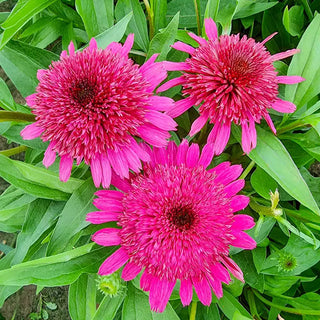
(177, 223)
(231, 80)
(91, 104)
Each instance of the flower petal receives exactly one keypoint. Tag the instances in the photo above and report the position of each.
(283, 106)
(31, 131)
(243, 222)
(239, 202)
(233, 268)
(198, 124)
(49, 155)
(211, 29)
(283, 55)
(98, 217)
(186, 292)
(192, 156)
(203, 291)
(65, 168)
(243, 240)
(180, 107)
(290, 79)
(206, 155)
(171, 83)
(181, 46)
(130, 271)
(114, 262)
(107, 237)
(160, 292)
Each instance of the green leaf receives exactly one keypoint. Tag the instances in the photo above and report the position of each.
(109, 307)
(40, 217)
(159, 9)
(245, 261)
(136, 307)
(238, 316)
(272, 22)
(113, 34)
(138, 23)
(212, 9)
(21, 62)
(20, 15)
(279, 284)
(229, 305)
(208, 313)
(303, 252)
(262, 183)
(310, 300)
(313, 183)
(82, 298)
(46, 177)
(11, 131)
(306, 64)
(97, 15)
(164, 39)
(187, 12)
(6, 100)
(14, 172)
(58, 270)
(309, 141)
(227, 9)
(314, 120)
(273, 158)
(246, 8)
(52, 31)
(72, 218)
(293, 20)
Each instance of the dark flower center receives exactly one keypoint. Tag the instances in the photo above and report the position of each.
(181, 216)
(82, 92)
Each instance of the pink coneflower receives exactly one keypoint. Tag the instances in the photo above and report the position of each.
(231, 79)
(177, 223)
(91, 104)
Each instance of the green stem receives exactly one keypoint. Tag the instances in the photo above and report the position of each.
(247, 170)
(138, 53)
(286, 309)
(13, 151)
(16, 116)
(307, 8)
(193, 310)
(197, 9)
(291, 126)
(150, 18)
(252, 305)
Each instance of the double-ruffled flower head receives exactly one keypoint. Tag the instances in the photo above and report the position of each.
(231, 79)
(177, 223)
(92, 103)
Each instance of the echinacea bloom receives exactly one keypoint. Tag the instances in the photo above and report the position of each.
(231, 79)
(92, 103)
(177, 223)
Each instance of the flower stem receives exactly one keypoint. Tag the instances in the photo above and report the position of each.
(307, 8)
(138, 53)
(291, 126)
(247, 170)
(16, 116)
(150, 18)
(193, 310)
(13, 151)
(197, 9)
(286, 309)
